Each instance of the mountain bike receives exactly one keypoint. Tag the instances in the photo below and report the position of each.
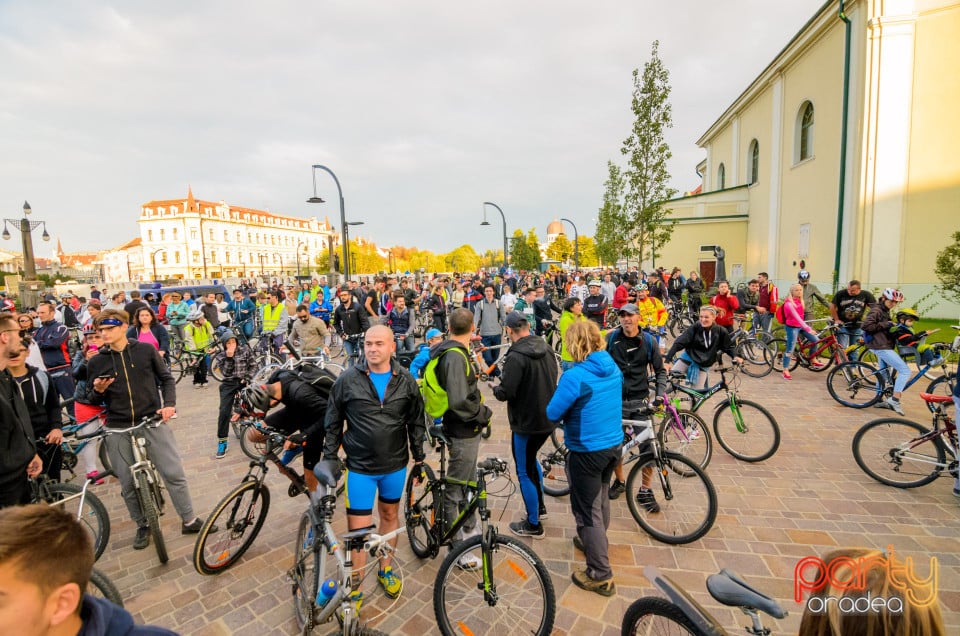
(322, 575)
(511, 592)
(102, 587)
(295, 360)
(680, 319)
(859, 385)
(70, 447)
(90, 511)
(904, 454)
(146, 479)
(821, 355)
(743, 428)
(754, 348)
(680, 613)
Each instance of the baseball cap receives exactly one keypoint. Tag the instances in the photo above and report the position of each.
(593, 283)
(515, 319)
(433, 333)
(629, 308)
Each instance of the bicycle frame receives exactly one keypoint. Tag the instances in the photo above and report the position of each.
(259, 468)
(701, 396)
(949, 441)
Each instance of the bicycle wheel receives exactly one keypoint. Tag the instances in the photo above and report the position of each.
(177, 367)
(303, 574)
(261, 376)
(215, 371)
(855, 384)
(152, 516)
(241, 515)
(525, 601)
(941, 386)
(777, 347)
(654, 615)
(93, 515)
(420, 511)
(748, 431)
(335, 344)
(556, 437)
(102, 587)
(686, 506)
(252, 449)
(885, 450)
(553, 465)
(757, 357)
(692, 439)
(103, 455)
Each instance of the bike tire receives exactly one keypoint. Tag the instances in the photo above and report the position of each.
(93, 516)
(335, 345)
(526, 605)
(215, 371)
(553, 465)
(855, 384)
(688, 505)
(242, 525)
(420, 507)
(941, 386)
(875, 449)
(655, 615)
(777, 347)
(177, 368)
(101, 586)
(104, 456)
(303, 574)
(152, 515)
(699, 449)
(264, 373)
(760, 437)
(757, 358)
(253, 450)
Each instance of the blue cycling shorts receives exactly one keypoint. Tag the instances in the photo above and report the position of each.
(360, 490)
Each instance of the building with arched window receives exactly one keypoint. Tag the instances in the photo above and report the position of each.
(771, 189)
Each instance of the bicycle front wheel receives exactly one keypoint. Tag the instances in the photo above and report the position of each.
(746, 430)
(303, 575)
(420, 512)
(758, 358)
(688, 436)
(215, 371)
(671, 508)
(654, 615)
(941, 386)
(152, 515)
(889, 451)
(855, 384)
(520, 599)
(93, 515)
(102, 587)
(335, 345)
(240, 516)
(553, 465)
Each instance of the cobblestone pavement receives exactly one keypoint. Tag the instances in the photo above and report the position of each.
(809, 498)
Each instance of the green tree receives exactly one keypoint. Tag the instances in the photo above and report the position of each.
(588, 251)
(613, 234)
(524, 253)
(561, 249)
(463, 259)
(947, 269)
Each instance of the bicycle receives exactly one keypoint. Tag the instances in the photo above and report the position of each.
(482, 370)
(817, 356)
(91, 512)
(754, 348)
(102, 587)
(517, 592)
(317, 599)
(680, 613)
(859, 385)
(146, 479)
(903, 454)
(294, 361)
(680, 319)
(750, 438)
(70, 447)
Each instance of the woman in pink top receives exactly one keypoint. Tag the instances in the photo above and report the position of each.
(145, 328)
(795, 326)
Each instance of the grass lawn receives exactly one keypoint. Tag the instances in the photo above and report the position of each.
(946, 333)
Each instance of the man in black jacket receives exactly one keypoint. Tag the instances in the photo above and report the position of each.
(701, 345)
(528, 381)
(383, 410)
(349, 319)
(463, 420)
(126, 375)
(18, 460)
(543, 310)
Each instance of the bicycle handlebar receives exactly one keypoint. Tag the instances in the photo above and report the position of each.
(493, 465)
(293, 351)
(150, 420)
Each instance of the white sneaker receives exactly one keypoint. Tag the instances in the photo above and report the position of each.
(469, 562)
(894, 403)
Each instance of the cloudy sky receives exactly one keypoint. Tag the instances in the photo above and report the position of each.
(423, 109)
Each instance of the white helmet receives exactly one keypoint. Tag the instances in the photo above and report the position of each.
(195, 314)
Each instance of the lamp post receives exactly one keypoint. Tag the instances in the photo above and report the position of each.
(576, 245)
(262, 256)
(343, 219)
(486, 222)
(26, 228)
(299, 245)
(153, 260)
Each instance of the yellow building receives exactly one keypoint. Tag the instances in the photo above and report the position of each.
(771, 180)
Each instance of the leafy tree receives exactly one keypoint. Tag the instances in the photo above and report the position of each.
(463, 259)
(947, 269)
(561, 249)
(613, 232)
(524, 253)
(588, 251)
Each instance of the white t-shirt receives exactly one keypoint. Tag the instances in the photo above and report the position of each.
(508, 300)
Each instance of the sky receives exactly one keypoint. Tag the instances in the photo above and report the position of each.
(423, 109)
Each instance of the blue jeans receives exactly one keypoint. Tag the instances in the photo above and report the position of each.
(693, 370)
(349, 348)
(404, 343)
(792, 334)
(763, 321)
(890, 358)
(848, 335)
(491, 355)
(529, 473)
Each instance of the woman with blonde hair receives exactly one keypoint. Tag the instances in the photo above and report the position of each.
(794, 324)
(588, 402)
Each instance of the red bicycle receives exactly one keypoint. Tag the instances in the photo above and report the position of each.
(816, 356)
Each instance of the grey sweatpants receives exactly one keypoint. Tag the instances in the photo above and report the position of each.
(462, 466)
(589, 477)
(162, 451)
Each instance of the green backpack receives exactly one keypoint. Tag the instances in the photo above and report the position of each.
(435, 396)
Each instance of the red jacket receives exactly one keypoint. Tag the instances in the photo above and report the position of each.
(728, 304)
(620, 297)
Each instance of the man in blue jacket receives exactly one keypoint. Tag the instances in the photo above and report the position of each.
(52, 337)
(242, 310)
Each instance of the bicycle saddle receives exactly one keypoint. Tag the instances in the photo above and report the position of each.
(438, 435)
(730, 589)
(934, 399)
(359, 532)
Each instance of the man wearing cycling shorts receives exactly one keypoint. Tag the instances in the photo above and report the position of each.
(701, 345)
(877, 326)
(381, 405)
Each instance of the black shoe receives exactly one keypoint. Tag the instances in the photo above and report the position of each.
(647, 501)
(194, 528)
(526, 529)
(142, 540)
(617, 489)
(578, 544)
(543, 514)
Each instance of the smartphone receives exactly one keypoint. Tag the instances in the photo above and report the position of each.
(106, 376)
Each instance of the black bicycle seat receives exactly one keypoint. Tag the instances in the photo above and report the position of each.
(359, 532)
(438, 434)
(730, 589)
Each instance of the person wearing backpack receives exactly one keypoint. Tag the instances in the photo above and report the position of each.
(767, 301)
(449, 375)
(790, 313)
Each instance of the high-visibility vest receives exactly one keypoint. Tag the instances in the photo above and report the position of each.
(271, 317)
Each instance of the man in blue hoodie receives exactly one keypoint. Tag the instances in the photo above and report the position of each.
(46, 558)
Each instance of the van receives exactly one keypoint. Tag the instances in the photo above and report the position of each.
(196, 291)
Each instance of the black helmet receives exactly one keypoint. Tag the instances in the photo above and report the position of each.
(256, 398)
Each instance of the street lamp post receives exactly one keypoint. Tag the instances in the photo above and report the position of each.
(485, 222)
(26, 228)
(343, 219)
(299, 245)
(153, 259)
(576, 244)
(262, 256)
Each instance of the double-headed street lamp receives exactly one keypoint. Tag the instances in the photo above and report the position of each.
(486, 222)
(344, 225)
(26, 227)
(576, 245)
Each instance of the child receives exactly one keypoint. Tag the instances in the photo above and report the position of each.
(434, 336)
(199, 334)
(238, 365)
(913, 342)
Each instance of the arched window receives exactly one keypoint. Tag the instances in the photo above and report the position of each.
(721, 177)
(804, 134)
(753, 174)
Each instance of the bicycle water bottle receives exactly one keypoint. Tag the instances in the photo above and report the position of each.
(326, 592)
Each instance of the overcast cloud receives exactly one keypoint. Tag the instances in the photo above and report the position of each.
(423, 109)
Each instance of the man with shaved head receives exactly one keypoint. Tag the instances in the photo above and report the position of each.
(381, 405)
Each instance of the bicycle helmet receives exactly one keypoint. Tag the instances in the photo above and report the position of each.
(642, 287)
(905, 313)
(256, 398)
(803, 275)
(195, 314)
(893, 294)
